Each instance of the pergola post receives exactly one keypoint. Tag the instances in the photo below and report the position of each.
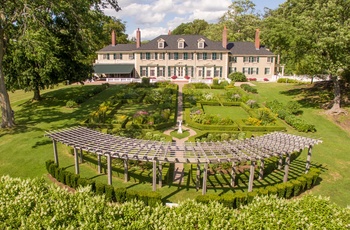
(160, 168)
(126, 170)
(261, 170)
(308, 159)
(280, 161)
(198, 176)
(76, 161)
(99, 166)
(251, 175)
(109, 168)
(286, 168)
(55, 155)
(81, 156)
(154, 178)
(205, 174)
(233, 174)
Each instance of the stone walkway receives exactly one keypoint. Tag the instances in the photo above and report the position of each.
(179, 167)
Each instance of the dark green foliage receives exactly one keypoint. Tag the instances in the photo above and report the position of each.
(71, 104)
(237, 77)
(249, 88)
(272, 190)
(302, 181)
(250, 196)
(241, 199)
(145, 81)
(263, 192)
(100, 188)
(297, 187)
(74, 180)
(281, 190)
(110, 192)
(289, 190)
(287, 80)
(120, 195)
(154, 199)
(131, 195)
(228, 200)
(207, 198)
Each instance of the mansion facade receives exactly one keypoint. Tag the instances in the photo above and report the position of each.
(187, 57)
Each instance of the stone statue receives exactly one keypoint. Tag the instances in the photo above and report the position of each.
(180, 128)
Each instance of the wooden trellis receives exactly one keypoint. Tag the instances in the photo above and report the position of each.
(252, 149)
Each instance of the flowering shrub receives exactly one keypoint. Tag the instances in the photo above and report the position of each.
(187, 77)
(174, 77)
(266, 79)
(140, 117)
(252, 79)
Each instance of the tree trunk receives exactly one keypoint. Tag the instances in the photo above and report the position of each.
(36, 89)
(336, 109)
(7, 120)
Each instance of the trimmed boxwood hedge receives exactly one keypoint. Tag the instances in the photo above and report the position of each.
(112, 194)
(283, 190)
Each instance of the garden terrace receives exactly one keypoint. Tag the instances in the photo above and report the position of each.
(253, 149)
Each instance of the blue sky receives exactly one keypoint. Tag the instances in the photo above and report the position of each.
(156, 17)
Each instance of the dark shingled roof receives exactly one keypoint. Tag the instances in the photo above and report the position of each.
(119, 47)
(247, 48)
(191, 43)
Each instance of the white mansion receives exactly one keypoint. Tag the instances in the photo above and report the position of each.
(179, 57)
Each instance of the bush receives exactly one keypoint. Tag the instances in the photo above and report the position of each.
(110, 193)
(281, 190)
(131, 195)
(154, 199)
(228, 200)
(120, 195)
(289, 190)
(241, 199)
(71, 104)
(100, 188)
(249, 88)
(237, 77)
(297, 187)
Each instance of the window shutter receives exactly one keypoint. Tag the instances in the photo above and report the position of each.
(156, 56)
(220, 71)
(168, 71)
(146, 71)
(257, 70)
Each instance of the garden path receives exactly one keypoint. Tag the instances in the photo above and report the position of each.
(179, 167)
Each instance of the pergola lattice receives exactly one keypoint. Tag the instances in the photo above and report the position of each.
(253, 149)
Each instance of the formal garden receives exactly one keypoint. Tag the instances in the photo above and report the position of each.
(127, 111)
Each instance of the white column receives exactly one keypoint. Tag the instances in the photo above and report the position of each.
(99, 167)
(198, 176)
(261, 170)
(205, 174)
(109, 168)
(76, 160)
(126, 170)
(251, 175)
(154, 178)
(286, 168)
(81, 156)
(233, 174)
(160, 167)
(55, 155)
(308, 159)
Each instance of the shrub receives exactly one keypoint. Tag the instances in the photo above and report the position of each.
(249, 88)
(263, 192)
(154, 199)
(237, 77)
(74, 180)
(109, 191)
(131, 195)
(289, 190)
(228, 200)
(120, 195)
(297, 187)
(145, 80)
(71, 104)
(241, 199)
(272, 190)
(281, 190)
(207, 198)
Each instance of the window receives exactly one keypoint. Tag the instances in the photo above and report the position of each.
(176, 56)
(152, 72)
(200, 73)
(217, 73)
(251, 59)
(180, 56)
(270, 59)
(200, 43)
(161, 56)
(160, 43)
(250, 71)
(180, 43)
(106, 56)
(205, 56)
(131, 57)
(232, 70)
(213, 56)
(148, 56)
(233, 59)
(199, 56)
(161, 71)
(267, 71)
(208, 73)
(153, 56)
(185, 56)
(143, 71)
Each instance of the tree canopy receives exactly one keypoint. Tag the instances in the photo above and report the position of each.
(43, 43)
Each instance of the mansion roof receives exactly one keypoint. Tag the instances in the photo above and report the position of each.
(190, 44)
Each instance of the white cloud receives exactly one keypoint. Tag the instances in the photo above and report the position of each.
(150, 33)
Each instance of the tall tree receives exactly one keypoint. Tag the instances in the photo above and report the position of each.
(312, 33)
(198, 26)
(241, 20)
(53, 30)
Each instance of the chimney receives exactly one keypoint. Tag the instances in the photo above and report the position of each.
(113, 38)
(224, 37)
(169, 32)
(138, 38)
(257, 39)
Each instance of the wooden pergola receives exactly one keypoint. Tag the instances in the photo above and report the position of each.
(201, 153)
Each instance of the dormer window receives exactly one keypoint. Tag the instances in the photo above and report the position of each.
(160, 43)
(180, 43)
(200, 43)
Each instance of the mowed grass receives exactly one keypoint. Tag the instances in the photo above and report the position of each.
(232, 112)
(24, 149)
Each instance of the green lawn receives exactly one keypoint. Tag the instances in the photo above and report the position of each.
(232, 112)
(24, 149)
